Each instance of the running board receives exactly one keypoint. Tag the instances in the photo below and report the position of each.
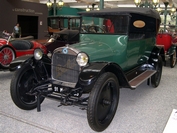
(141, 78)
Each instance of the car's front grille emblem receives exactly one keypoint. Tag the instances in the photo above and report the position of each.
(65, 50)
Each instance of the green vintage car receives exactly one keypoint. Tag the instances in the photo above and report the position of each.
(116, 50)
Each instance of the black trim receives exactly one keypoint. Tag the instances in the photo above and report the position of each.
(90, 74)
(123, 11)
(17, 62)
(157, 50)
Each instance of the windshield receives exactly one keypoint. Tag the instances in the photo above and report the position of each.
(109, 25)
(60, 23)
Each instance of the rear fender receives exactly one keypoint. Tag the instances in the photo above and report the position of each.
(157, 50)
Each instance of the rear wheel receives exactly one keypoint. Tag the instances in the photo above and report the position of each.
(155, 79)
(7, 55)
(23, 82)
(173, 60)
(103, 101)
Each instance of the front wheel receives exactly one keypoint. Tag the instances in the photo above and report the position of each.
(7, 55)
(173, 60)
(103, 102)
(155, 79)
(23, 82)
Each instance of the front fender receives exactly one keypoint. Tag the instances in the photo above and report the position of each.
(17, 62)
(90, 74)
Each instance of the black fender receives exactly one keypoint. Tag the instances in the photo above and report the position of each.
(18, 62)
(157, 50)
(29, 59)
(171, 50)
(90, 73)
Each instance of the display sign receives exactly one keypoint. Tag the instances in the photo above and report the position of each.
(171, 126)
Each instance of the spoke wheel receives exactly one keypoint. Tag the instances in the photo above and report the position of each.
(7, 55)
(155, 79)
(173, 60)
(103, 102)
(23, 82)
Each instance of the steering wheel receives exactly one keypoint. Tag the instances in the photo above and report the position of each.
(95, 29)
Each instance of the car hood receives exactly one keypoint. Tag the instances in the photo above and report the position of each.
(101, 46)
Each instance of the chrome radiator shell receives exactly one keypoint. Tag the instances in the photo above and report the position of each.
(65, 69)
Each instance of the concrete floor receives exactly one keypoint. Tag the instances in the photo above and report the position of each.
(144, 110)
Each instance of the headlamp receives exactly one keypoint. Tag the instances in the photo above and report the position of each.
(82, 59)
(38, 54)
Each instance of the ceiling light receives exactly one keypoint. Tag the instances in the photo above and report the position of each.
(146, 3)
(87, 9)
(173, 9)
(49, 4)
(60, 3)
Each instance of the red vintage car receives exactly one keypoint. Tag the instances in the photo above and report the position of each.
(166, 40)
(12, 48)
(15, 52)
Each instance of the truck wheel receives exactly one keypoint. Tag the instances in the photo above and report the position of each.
(155, 79)
(22, 82)
(7, 55)
(103, 102)
(173, 60)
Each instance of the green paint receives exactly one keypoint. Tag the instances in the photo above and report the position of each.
(115, 48)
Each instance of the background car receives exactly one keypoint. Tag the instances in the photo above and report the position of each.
(11, 48)
(166, 40)
(62, 30)
(90, 73)
(59, 23)
(58, 39)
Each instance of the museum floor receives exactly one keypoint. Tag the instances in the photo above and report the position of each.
(144, 110)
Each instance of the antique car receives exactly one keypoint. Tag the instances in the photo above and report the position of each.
(59, 23)
(90, 73)
(166, 39)
(58, 39)
(11, 48)
(64, 30)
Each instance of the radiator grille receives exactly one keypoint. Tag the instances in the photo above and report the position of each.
(65, 67)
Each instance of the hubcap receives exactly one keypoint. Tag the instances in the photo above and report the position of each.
(6, 56)
(106, 102)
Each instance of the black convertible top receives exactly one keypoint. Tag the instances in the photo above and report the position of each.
(122, 10)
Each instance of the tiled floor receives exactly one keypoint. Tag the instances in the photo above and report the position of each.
(144, 110)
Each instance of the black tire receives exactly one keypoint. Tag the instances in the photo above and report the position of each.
(103, 102)
(173, 60)
(22, 82)
(7, 55)
(155, 79)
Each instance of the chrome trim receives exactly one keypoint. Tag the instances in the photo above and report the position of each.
(71, 52)
(60, 49)
(62, 83)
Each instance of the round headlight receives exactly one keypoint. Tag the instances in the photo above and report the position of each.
(82, 59)
(38, 54)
